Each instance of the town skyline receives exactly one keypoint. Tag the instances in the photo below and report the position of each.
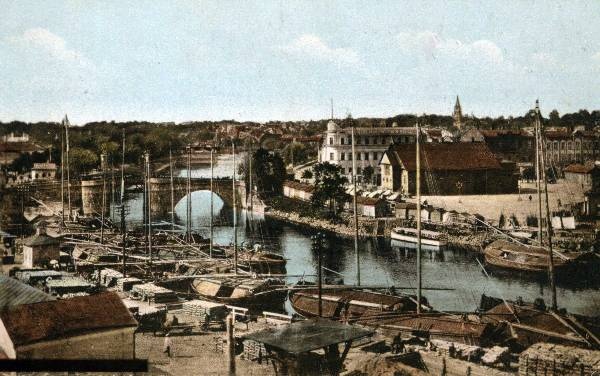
(200, 61)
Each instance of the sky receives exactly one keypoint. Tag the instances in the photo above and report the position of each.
(284, 60)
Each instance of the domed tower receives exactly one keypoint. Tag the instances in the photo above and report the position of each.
(457, 115)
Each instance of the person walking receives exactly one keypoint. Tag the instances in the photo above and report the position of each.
(168, 345)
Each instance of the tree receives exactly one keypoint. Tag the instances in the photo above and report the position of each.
(82, 160)
(367, 174)
(307, 174)
(295, 152)
(554, 117)
(268, 172)
(329, 187)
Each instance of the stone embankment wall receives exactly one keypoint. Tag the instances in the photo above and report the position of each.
(462, 237)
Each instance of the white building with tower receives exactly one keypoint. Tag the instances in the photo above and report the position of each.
(370, 144)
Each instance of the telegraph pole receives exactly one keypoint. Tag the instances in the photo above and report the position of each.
(418, 178)
(355, 205)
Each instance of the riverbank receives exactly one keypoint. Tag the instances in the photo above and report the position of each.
(376, 227)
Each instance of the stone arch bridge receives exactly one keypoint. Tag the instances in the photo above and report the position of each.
(160, 202)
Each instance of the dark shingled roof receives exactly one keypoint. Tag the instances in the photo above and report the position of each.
(38, 240)
(14, 293)
(30, 323)
(308, 335)
(445, 156)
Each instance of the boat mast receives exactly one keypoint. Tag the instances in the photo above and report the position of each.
(538, 177)
(250, 175)
(551, 275)
(123, 229)
(149, 207)
(235, 255)
(210, 245)
(68, 169)
(103, 170)
(418, 187)
(62, 169)
(188, 206)
(355, 205)
(172, 194)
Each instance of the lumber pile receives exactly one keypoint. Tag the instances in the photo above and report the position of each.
(550, 359)
(200, 308)
(153, 293)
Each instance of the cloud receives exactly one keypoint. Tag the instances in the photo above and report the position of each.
(431, 45)
(596, 57)
(311, 46)
(47, 43)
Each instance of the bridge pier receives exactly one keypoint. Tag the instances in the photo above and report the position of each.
(91, 197)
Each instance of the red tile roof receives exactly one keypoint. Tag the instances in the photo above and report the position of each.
(30, 323)
(503, 132)
(305, 187)
(445, 156)
(580, 169)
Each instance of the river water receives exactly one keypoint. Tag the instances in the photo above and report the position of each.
(382, 262)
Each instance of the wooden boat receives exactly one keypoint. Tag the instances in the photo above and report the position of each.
(243, 292)
(505, 254)
(429, 239)
(349, 304)
(523, 324)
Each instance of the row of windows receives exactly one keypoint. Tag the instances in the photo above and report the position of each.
(373, 140)
(569, 145)
(374, 156)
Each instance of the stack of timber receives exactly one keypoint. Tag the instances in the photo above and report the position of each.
(202, 308)
(110, 277)
(152, 293)
(126, 284)
(550, 359)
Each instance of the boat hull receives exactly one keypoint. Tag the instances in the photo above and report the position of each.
(411, 241)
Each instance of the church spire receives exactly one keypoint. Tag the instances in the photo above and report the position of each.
(457, 115)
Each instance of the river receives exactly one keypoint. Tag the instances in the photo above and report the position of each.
(381, 261)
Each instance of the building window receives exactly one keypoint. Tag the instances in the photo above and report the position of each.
(366, 156)
(349, 170)
(331, 156)
(358, 170)
(330, 140)
(342, 156)
(366, 140)
(342, 141)
(358, 156)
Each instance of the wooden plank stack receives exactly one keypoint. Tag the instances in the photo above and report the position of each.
(201, 308)
(152, 293)
(551, 359)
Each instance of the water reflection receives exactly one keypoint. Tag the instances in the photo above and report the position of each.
(384, 263)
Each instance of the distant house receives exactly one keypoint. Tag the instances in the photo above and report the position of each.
(447, 169)
(513, 145)
(40, 249)
(587, 175)
(297, 190)
(7, 243)
(88, 327)
(370, 206)
(43, 171)
(406, 210)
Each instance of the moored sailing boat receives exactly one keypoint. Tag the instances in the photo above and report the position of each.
(243, 292)
(516, 256)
